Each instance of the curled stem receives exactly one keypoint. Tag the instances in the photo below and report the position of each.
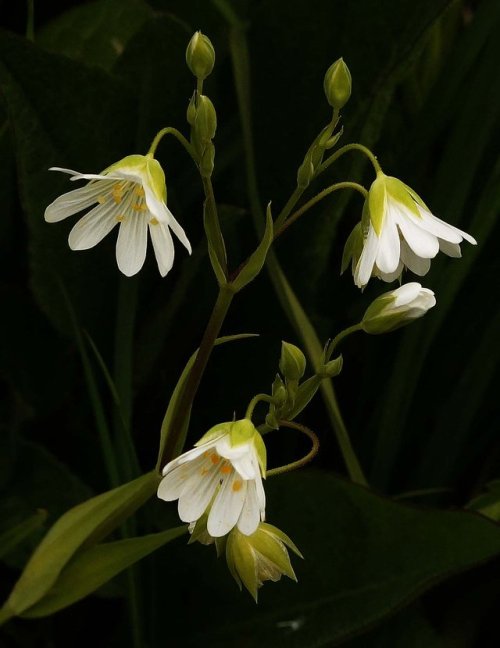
(317, 198)
(179, 137)
(345, 149)
(257, 399)
(300, 462)
(338, 338)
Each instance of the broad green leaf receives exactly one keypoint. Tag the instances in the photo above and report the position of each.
(93, 567)
(81, 526)
(365, 557)
(255, 262)
(95, 33)
(176, 394)
(16, 535)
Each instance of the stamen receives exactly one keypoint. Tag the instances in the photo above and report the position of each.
(101, 199)
(237, 485)
(139, 207)
(139, 191)
(120, 218)
(214, 458)
(226, 469)
(154, 221)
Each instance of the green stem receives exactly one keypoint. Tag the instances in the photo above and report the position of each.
(199, 87)
(316, 199)
(186, 399)
(180, 138)
(122, 375)
(338, 338)
(30, 22)
(217, 239)
(291, 202)
(345, 149)
(257, 399)
(241, 69)
(300, 462)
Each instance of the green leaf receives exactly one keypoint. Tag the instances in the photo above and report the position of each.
(17, 534)
(255, 262)
(95, 566)
(215, 242)
(81, 526)
(176, 394)
(365, 557)
(95, 33)
(488, 504)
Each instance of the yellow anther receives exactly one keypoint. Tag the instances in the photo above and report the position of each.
(139, 207)
(154, 221)
(139, 191)
(120, 218)
(101, 199)
(226, 469)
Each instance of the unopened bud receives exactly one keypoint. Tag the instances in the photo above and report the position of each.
(338, 84)
(205, 121)
(292, 362)
(397, 308)
(200, 55)
(191, 111)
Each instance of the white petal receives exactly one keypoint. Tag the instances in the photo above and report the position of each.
(192, 454)
(444, 230)
(405, 294)
(245, 466)
(387, 259)
(364, 267)
(162, 245)
(178, 231)
(228, 451)
(451, 249)
(227, 506)
(196, 496)
(172, 484)
(132, 243)
(93, 227)
(390, 276)
(416, 264)
(250, 514)
(74, 201)
(423, 243)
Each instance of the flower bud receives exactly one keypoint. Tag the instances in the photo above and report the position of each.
(205, 121)
(292, 362)
(191, 110)
(261, 556)
(200, 55)
(397, 308)
(338, 84)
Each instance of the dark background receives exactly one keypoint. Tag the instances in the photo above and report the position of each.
(100, 79)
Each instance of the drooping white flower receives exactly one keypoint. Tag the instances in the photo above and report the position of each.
(397, 308)
(398, 230)
(224, 471)
(131, 193)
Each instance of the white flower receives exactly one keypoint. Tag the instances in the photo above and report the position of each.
(397, 308)
(224, 471)
(133, 193)
(398, 231)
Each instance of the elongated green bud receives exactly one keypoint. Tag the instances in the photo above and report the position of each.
(338, 84)
(200, 56)
(292, 362)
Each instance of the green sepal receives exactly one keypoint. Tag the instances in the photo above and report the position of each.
(80, 527)
(273, 549)
(260, 449)
(148, 168)
(352, 248)
(338, 84)
(214, 432)
(269, 528)
(377, 202)
(331, 368)
(242, 431)
(304, 394)
(200, 56)
(402, 194)
(256, 260)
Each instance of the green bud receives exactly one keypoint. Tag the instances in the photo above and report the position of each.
(259, 557)
(205, 121)
(397, 308)
(200, 56)
(292, 362)
(338, 84)
(331, 368)
(305, 173)
(207, 160)
(353, 248)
